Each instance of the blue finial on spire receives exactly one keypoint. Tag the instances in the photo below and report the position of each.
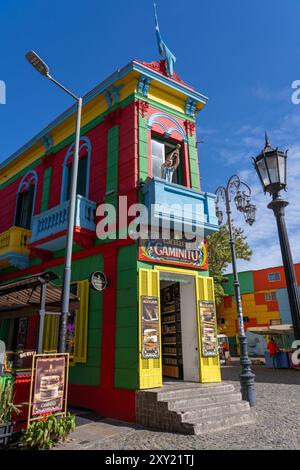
(163, 49)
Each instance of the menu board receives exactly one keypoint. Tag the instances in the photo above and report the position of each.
(49, 385)
(208, 329)
(150, 328)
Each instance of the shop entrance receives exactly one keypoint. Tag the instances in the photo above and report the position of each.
(192, 307)
(179, 329)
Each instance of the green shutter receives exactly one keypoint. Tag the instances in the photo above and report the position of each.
(46, 189)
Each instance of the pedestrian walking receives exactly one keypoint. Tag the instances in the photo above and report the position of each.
(274, 350)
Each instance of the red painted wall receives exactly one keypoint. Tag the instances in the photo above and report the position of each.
(260, 300)
(261, 282)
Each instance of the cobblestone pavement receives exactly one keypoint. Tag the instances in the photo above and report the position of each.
(277, 421)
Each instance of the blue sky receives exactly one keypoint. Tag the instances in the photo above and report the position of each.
(244, 55)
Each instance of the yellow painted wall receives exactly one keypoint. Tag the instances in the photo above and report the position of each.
(96, 107)
(258, 312)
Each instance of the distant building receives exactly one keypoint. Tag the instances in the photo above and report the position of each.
(265, 301)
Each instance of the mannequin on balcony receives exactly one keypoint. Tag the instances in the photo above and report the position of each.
(171, 164)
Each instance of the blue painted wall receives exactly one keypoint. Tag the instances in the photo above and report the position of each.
(284, 307)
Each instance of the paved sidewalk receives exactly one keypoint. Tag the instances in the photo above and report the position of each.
(89, 433)
(277, 425)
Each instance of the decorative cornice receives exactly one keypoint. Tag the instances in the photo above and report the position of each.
(112, 95)
(48, 142)
(153, 72)
(190, 107)
(160, 67)
(143, 85)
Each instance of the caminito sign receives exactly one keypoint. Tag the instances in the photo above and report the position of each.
(179, 252)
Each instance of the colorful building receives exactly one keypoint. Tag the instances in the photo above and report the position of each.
(264, 300)
(131, 122)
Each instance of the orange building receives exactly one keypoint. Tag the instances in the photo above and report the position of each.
(261, 291)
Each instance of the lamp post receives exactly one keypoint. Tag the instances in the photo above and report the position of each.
(243, 204)
(43, 68)
(271, 166)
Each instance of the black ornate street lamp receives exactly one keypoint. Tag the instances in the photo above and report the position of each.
(243, 204)
(271, 166)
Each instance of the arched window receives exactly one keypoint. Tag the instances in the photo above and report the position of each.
(166, 133)
(83, 170)
(26, 200)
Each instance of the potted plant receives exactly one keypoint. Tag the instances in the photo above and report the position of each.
(6, 409)
(46, 432)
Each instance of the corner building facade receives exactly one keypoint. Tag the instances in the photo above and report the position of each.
(130, 123)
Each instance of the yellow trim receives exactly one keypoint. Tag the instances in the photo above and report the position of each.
(150, 370)
(81, 322)
(158, 92)
(209, 367)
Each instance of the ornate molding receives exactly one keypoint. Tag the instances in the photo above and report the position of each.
(190, 107)
(48, 142)
(190, 128)
(142, 107)
(143, 85)
(113, 118)
(160, 67)
(112, 95)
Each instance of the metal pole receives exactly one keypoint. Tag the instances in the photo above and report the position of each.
(278, 206)
(246, 377)
(69, 247)
(42, 313)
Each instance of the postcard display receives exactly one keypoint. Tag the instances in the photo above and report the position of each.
(208, 329)
(171, 332)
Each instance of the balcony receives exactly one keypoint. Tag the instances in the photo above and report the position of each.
(187, 208)
(49, 229)
(14, 249)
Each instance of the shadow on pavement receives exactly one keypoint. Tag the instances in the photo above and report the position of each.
(263, 375)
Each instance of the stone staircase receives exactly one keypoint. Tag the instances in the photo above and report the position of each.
(189, 408)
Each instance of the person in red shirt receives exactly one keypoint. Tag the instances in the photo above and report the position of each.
(273, 351)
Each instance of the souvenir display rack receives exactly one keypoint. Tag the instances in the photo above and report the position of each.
(171, 332)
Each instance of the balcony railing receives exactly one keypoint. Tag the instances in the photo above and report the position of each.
(14, 249)
(51, 223)
(190, 209)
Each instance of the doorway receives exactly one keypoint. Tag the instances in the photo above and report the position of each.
(179, 328)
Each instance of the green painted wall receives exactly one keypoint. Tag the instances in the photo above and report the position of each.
(46, 189)
(193, 159)
(126, 349)
(143, 149)
(246, 282)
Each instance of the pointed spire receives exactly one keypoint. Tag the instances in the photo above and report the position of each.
(267, 144)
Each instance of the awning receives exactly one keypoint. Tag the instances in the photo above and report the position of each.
(272, 330)
(22, 298)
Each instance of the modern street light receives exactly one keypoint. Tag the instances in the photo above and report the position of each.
(43, 69)
(243, 204)
(271, 165)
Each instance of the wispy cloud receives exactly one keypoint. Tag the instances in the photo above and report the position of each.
(265, 93)
(263, 235)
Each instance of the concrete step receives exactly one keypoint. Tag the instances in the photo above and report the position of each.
(186, 404)
(221, 410)
(221, 423)
(190, 392)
